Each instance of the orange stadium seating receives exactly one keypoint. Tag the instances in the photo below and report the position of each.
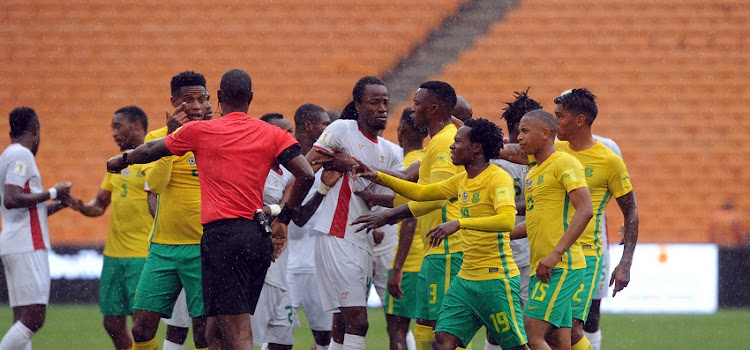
(77, 61)
(671, 79)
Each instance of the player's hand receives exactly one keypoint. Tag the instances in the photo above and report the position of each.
(363, 171)
(394, 284)
(116, 164)
(620, 278)
(457, 122)
(341, 161)
(63, 189)
(372, 221)
(278, 237)
(377, 236)
(318, 156)
(438, 234)
(73, 202)
(330, 177)
(367, 193)
(544, 270)
(177, 119)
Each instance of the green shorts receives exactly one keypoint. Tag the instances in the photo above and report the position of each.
(587, 288)
(168, 269)
(551, 302)
(434, 278)
(403, 307)
(494, 303)
(117, 285)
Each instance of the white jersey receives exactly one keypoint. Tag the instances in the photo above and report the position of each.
(520, 247)
(273, 191)
(341, 206)
(24, 229)
(301, 242)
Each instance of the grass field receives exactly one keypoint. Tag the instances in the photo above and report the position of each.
(79, 327)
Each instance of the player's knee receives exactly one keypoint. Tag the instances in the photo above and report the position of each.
(441, 343)
(141, 333)
(591, 325)
(34, 323)
(112, 325)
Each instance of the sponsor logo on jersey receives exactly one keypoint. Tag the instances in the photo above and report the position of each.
(569, 177)
(502, 193)
(442, 159)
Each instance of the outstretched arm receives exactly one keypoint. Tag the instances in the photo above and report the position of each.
(15, 197)
(384, 217)
(97, 206)
(145, 153)
(621, 273)
(405, 239)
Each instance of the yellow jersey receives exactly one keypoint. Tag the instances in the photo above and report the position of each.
(487, 255)
(413, 262)
(178, 212)
(437, 166)
(606, 176)
(548, 208)
(130, 222)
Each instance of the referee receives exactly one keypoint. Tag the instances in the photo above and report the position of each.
(233, 154)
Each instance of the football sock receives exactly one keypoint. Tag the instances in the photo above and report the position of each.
(595, 339)
(354, 342)
(489, 346)
(323, 347)
(18, 337)
(582, 344)
(410, 343)
(168, 345)
(335, 346)
(147, 345)
(423, 336)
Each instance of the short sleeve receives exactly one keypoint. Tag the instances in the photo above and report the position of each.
(331, 136)
(284, 140)
(449, 186)
(182, 140)
(20, 168)
(571, 174)
(618, 179)
(107, 183)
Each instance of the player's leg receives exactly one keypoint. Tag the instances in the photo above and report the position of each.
(260, 320)
(178, 326)
(279, 334)
(28, 281)
(175, 338)
(117, 286)
(434, 280)
(497, 304)
(213, 334)
(398, 327)
(581, 301)
(549, 305)
(458, 322)
(190, 274)
(303, 290)
(399, 312)
(591, 327)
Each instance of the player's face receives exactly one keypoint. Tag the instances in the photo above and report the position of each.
(37, 140)
(283, 124)
(567, 122)
(530, 134)
(419, 110)
(209, 109)
(374, 106)
(123, 131)
(319, 125)
(462, 147)
(195, 98)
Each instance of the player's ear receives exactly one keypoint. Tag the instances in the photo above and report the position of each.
(173, 101)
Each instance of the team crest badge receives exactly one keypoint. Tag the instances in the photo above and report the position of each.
(475, 197)
(126, 172)
(589, 172)
(465, 196)
(540, 180)
(382, 158)
(191, 160)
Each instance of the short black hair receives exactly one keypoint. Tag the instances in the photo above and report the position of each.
(236, 87)
(187, 78)
(350, 112)
(268, 117)
(580, 101)
(22, 119)
(442, 91)
(134, 114)
(545, 118)
(407, 119)
(307, 112)
(517, 109)
(488, 134)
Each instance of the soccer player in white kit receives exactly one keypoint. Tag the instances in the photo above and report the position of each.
(343, 257)
(24, 241)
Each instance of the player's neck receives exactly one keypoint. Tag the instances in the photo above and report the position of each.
(305, 142)
(23, 141)
(438, 124)
(582, 141)
(369, 132)
(411, 146)
(544, 153)
(476, 167)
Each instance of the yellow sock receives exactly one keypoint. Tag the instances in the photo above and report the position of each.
(468, 347)
(423, 336)
(201, 348)
(147, 345)
(582, 344)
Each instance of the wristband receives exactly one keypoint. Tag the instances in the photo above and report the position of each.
(323, 189)
(52, 193)
(285, 215)
(275, 209)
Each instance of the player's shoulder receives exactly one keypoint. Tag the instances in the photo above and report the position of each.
(496, 173)
(156, 134)
(16, 151)
(343, 125)
(564, 159)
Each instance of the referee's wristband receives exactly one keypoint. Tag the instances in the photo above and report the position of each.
(285, 215)
(275, 209)
(323, 189)
(52, 193)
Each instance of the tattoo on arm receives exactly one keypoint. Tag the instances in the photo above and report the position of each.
(630, 235)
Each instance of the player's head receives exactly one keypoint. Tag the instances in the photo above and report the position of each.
(407, 131)
(190, 88)
(310, 120)
(575, 109)
(235, 91)
(462, 110)
(209, 109)
(537, 130)
(433, 100)
(129, 125)
(24, 124)
(516, 110)
(476, 138)
(278, 120)
(370, 103)
(333, 115)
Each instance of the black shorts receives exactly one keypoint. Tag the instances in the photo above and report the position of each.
(235, 254)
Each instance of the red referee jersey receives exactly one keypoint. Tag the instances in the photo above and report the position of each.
(233, 154)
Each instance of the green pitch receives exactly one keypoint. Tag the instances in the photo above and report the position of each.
(79, 327)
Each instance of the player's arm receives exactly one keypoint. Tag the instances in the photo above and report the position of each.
(97, 206)
(519, 231)
(621, 273)
(158, 174)
(389, 216)
(502, 221)
(405, 238)
(512, 152)
(152, 199)
(328, 179)
(407, 189)
(581, 200)
(145, 153)
(15, 197)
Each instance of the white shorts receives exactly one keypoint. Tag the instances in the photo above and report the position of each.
(603, 287)
(180, 316)
(380, 275)
(274, 317)
(303, 288)
(344, 272)
(27, 275)
(524, 292)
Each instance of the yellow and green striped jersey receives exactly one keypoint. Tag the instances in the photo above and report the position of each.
(130, 222)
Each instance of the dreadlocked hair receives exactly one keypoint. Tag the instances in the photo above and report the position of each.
(515, 111)
(488, 134)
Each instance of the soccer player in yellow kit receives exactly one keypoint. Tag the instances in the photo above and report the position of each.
(485, 292)
(607, 177)
(129, 228)
(174, 260)
(558, 208)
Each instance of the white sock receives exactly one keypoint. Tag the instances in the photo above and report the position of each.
(411, 344)
(335, 346)
(490, 346)
(27, 346)
(264, 346)
(168, 345)
(323, 347)
(594, 338)
(354, 342)
(17, 337)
